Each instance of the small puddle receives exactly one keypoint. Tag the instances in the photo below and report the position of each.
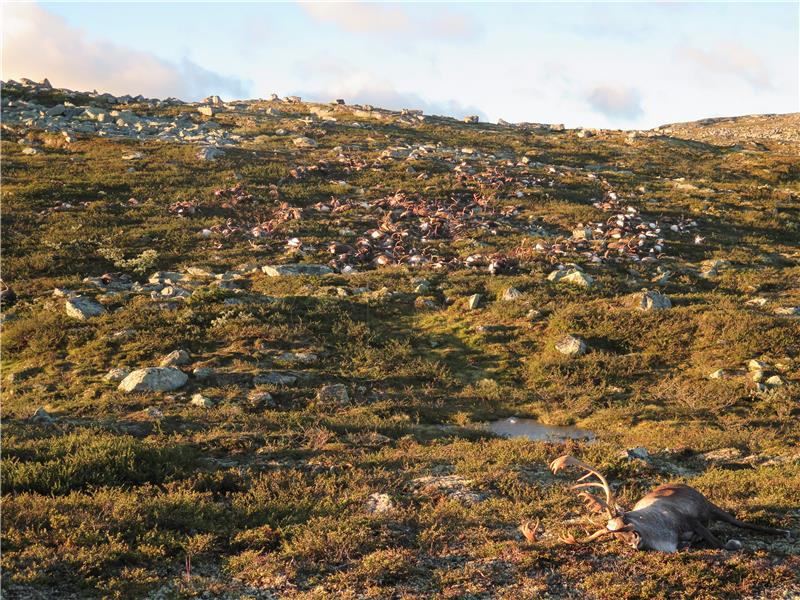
(514, 427)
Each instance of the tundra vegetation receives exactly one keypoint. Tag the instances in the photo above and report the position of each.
(327, 441)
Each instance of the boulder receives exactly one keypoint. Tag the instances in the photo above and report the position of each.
(474, 301)
(571, 345)
(335, 392)
(511, 294)
(201, 401)
(649, 300)
(296, 269)
(304, 142)
(379, 504)
(154, 379)
(174, 358)
(274, 378)
(116, 374)
(84, 307)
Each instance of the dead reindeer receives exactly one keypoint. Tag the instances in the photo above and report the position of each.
(672, 516)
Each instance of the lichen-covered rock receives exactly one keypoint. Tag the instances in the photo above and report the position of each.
(154, 379)
(174, 358)
(650, 300)
(116, 374)
(84, 307)
(335, 392)
(571, 345)
(298, 269)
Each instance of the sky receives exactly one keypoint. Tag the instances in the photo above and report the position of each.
(585, 64)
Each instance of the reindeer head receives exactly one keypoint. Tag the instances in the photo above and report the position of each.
(617, 525)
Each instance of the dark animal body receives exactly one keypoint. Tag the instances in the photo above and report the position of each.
(670, 517)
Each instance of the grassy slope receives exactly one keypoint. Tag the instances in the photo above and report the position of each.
(109, 501)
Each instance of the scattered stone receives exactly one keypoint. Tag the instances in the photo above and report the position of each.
(203, 373)
(299, 357)
(474, 301)
(757, 365)
(304, 142)
(42, 416)
(154, 379)
(733, 545)
(723, 455)
(719, 374)
(274, 378)
(571, 345)
(454, 487)
(210, 153)
(512, 294)
(30, 151)
(638, 453)
(757, 376)
(571, 276)
(649, 300)
(84, 307)
(174, 358)
(788, 311)
(116, 374)
(261, 399)
(379, 504)
(335, 392)
(578, 278)
(201, 401)
(774, 381)
(207, 111)
(425, 303)
(296, 269)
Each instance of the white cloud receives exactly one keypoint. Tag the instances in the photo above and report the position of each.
(616, 101)
(731, 60)
(39, 44)
(392, 19)
(366, 90)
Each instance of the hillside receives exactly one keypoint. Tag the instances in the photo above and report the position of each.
(337, 299)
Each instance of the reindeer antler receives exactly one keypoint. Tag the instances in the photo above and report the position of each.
(531, 534)
(592, 502)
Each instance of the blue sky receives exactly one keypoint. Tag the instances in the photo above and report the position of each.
(625, 65)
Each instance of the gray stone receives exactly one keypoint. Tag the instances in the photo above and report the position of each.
(116, 374)
(756, 365)
(41, 416)
(201, 401)
(578, 278)
(379, 504)
(260, 399)
(474, 301)
(511, 294)
(274, 378)
(774, 381)
(304, 142)
(176, 357)
(154, 379)
(210, 153)
(83, 308)
(296, 269)
(299, 357)
(571, 345)
(335, 392)
(207, 111)
(203, 373)
(653, 301)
